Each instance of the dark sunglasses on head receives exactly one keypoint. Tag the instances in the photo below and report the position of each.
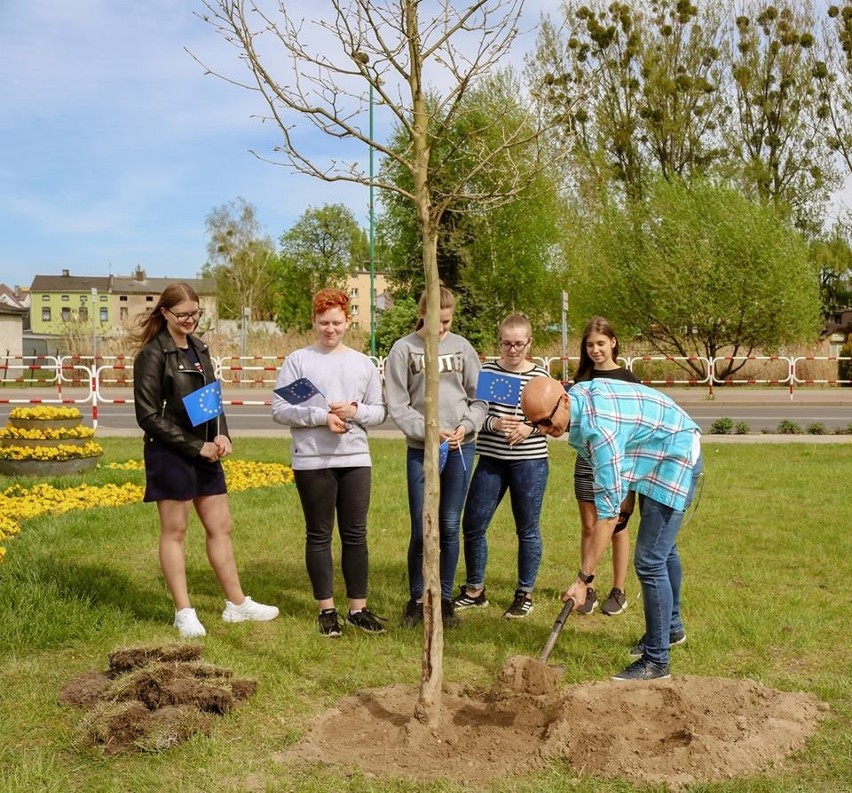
(547, 422)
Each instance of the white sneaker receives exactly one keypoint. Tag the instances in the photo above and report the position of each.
(248, 610)
(188, 624)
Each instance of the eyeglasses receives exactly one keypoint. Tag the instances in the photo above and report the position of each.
(514, 345)
(187, 316)
(548, 422)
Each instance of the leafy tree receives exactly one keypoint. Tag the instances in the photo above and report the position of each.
(322, 248)
(833, 257)
(697, 270)
(240, 261)
(496, 259)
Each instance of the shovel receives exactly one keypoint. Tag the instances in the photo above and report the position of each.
(535, 676)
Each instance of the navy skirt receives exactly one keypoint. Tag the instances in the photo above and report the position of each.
(169, 476)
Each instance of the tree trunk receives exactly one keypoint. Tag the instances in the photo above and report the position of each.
(428, 708)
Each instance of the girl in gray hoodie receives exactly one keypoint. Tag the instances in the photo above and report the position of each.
(460, 417)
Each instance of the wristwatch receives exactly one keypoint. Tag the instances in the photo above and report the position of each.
(586, 578)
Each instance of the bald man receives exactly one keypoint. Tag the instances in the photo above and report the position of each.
(635, 439)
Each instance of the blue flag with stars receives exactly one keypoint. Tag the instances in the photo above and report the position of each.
(298, 391)
(443, 455)
(204, 404)
(504, 389)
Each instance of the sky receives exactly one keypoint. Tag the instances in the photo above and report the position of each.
(115, 146)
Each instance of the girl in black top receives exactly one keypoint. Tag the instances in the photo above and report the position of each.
(182, 462)
(599, 358)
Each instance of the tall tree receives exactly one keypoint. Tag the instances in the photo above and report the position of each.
(240, 260)
(495, 258)
(775, 134)
(635, 87)
(321, 81)
(698, 269)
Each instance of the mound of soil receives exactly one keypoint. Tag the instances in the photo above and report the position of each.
(675, 732)
(152, 698)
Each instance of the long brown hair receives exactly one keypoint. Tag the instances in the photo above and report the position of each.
(448, 300)
(153, 321)
(587, 365)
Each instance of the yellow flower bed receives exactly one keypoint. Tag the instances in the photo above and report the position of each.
(23, 503)
(44, 412)
(60, 452)
(47, 434)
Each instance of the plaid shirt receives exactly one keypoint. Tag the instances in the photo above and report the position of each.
(635, 439)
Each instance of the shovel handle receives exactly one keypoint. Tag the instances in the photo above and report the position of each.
(558, 624)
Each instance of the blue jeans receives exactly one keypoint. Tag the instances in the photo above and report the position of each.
(525, 480)
(454, 481)
(659, 570)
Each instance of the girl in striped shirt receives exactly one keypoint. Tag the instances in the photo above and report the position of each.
(513, 457)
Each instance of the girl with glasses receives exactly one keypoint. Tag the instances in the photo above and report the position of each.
(512, 456)
(183, 466)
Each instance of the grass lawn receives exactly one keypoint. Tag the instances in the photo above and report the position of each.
(766, 558)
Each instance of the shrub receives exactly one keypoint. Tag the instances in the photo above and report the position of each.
(817, 428)
(787, 427)
(722, 426)
(844, 368)
(742, 428)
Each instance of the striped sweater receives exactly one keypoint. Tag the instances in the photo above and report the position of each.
(492, 442)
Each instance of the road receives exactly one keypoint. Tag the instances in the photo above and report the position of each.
(761, 409)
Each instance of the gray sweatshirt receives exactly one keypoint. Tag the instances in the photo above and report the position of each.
(342, 376)
(405, 385)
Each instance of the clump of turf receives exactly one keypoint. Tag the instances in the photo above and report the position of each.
(152, 698)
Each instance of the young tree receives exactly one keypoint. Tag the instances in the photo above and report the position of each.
(240, 260)
(321, 80)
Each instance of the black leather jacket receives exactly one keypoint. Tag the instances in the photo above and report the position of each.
(162, 376)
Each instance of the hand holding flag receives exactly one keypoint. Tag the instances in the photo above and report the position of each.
(204, 403)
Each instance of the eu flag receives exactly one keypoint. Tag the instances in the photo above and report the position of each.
(204, 404)
(505, 389)
(443, 454)
(298, 391)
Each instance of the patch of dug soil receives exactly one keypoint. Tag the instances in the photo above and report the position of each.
(676, 732)
(152, 698)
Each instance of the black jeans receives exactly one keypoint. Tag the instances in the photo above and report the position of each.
(345, 491)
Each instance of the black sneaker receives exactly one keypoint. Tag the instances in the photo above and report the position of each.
(328, 623)
(638, 649)
(412, 614)
(643, 669)
(366, 621)
(448, 613)
(591, 602)
(464, 601)
(521, 606)
(616, 603)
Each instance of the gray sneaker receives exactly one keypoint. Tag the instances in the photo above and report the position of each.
(591, 602)
(638, 649)
(643, 669)
(616, 603)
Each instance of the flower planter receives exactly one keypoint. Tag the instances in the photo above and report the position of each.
(48, 467)
(44, 424)
(44, 441)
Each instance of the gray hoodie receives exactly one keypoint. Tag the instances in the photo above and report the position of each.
(405, 385)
